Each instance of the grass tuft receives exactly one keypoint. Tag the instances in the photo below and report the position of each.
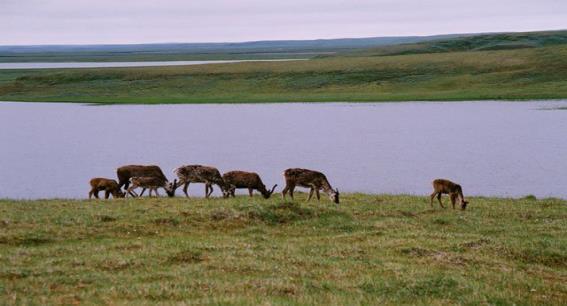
(166, 221)
(104, 218)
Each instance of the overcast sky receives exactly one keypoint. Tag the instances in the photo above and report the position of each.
(143, 21)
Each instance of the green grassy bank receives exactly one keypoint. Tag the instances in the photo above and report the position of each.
(371, 249)
(537, 73)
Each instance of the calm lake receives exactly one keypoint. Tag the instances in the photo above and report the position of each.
(491, 148)
(124, 64)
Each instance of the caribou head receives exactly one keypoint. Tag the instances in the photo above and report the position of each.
(266, 194)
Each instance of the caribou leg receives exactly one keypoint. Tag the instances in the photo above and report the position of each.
(131, 191)
(208, 189)
(185, 187)
(439, 199)
(310, 194)
(291, 192)
(284, 192)
(453, 199)
(432, 197)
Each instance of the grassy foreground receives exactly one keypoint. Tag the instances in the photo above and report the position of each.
(538, 73)
(371, 249)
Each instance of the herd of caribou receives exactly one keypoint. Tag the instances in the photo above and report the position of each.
(151, 177)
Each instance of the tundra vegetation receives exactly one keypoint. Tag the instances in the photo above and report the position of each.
(371, 249)
(475, 68)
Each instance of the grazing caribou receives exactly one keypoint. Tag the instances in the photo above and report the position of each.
(309, 179)
(249, 180)
(201, 174)
(442, 186)
(107, 185)
(125, 173)
(152, 183)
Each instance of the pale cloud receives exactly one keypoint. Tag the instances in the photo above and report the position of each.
(140, 21)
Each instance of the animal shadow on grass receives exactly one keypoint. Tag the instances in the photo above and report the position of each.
(25, 241)
(187, 257)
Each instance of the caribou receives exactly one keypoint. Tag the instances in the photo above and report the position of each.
(248, 180)
(443, 186)
(125, 173)
(151, 183)
(109, 187)
(309, 179)
(201, 174)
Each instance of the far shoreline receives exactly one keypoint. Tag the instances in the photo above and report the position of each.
(129, 64)
(510, 75)
(354, 102)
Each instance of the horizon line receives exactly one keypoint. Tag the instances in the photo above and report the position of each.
(273, 40)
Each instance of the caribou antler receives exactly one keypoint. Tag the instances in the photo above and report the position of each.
(273, 188)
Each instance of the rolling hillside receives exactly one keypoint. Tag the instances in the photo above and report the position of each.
(481, 42)
(535, 73)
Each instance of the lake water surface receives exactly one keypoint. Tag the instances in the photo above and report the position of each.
(124, 64)
(491, 148)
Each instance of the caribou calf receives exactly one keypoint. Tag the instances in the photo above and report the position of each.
(201, 174)
(125, 173)
(107, 185)
(151, 183)
(309, 179)
(249, 180)
(442, 186)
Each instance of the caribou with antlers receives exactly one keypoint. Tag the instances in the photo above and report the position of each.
(201, 174)
(248, 180)
(309, 179)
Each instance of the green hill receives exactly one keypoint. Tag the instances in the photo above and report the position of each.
(534, 73)
(480, 42)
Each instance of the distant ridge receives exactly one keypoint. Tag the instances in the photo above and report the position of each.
(263, 45)
(280, 49)
(479, 42)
